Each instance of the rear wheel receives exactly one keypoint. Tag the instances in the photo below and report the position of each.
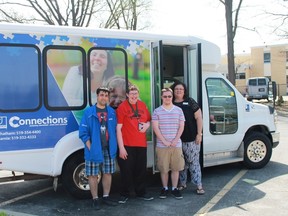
(74, 179)
(258, 150)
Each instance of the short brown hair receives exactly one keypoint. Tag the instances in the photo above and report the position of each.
(132, 88)
(102, 88)
(166, 90)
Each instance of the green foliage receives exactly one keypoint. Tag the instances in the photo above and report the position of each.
(3, 214)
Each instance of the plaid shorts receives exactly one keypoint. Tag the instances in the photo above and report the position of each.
(107, 166)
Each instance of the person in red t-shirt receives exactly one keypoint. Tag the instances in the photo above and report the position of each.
(133, 120)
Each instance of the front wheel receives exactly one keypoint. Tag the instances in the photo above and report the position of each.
(257, 150)
(74, 179)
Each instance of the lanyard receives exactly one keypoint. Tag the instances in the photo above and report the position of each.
(134, 111)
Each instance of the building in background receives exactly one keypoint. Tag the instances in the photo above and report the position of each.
(269, 61)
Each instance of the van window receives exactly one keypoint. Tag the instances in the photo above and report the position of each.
(262, 82)
(223, 114)
(253, 82)
(64, 78)
(20, 83)
(109, 67)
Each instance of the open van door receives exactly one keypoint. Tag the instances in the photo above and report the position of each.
(157, 85)
(193, 78)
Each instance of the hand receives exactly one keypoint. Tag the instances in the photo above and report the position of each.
(198, 139)
(174, 142)
(123, 153)
(144, 127)
(88, 144)
(167, 143)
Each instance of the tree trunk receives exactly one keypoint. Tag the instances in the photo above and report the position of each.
(230, 41)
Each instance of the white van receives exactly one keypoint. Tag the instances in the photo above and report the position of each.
(39, 120)
(257, 88)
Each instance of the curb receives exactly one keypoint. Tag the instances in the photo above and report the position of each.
(282, 113)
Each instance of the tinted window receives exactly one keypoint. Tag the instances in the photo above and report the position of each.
(253, 82)
(20, 86)
(262, 82)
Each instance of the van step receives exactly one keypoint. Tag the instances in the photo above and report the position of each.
(215, 162)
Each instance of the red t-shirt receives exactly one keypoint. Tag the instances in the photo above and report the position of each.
(126, 116)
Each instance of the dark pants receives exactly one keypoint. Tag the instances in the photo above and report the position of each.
(133, 171)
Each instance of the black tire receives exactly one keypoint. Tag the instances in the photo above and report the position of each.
(257, 150)
(73, 176)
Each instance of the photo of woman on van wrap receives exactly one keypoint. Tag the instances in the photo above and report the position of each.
(101, 69)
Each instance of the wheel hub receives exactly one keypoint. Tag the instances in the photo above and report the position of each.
(256, 151)
(79, 177)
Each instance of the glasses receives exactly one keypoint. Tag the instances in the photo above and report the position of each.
(179, 89)
(133, 93)
(167, 96)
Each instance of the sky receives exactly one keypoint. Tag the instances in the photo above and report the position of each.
(206, 19)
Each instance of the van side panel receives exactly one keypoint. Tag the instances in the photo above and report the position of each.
(31, 129)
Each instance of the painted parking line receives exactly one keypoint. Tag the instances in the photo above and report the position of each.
(24, 196)
(205, 209)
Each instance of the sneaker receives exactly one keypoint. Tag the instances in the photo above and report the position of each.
(145, 197)
(96, 204)
(176, 193)
(163, 193)
(123, 199)
(108, 201)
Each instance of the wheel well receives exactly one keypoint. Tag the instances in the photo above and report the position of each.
(258, 128)
(75, 154)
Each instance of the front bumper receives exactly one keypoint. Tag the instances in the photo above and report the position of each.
(275, 138)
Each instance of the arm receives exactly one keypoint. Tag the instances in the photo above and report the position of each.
(179, 133)
(84, 133)
(199, 122)
(155, 125)
(146, 123)
(122, 151)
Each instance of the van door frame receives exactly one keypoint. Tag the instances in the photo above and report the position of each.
(193, 79)
(157, 85)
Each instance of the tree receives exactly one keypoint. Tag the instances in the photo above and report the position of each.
(231, 28)
(124, 14)
(120, 14)
(280, 16)
(57, 12)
